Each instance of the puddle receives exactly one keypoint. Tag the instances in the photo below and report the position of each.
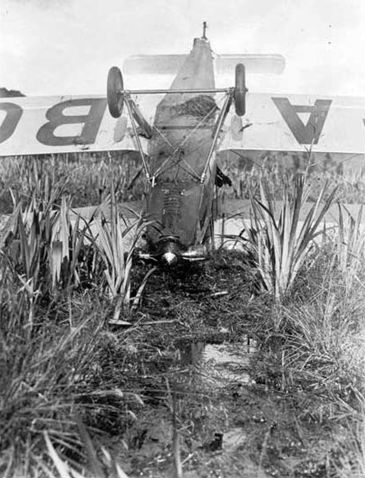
(218, 364)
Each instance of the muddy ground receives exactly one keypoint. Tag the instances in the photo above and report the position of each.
(205, 359)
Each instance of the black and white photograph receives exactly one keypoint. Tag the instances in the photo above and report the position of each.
(182, 239)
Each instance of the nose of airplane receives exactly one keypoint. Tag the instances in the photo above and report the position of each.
(169, 250)
(169, 258)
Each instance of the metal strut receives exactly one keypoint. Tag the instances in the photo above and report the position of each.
(176, 149)
(139, 144)
(197, 91)
(222, 117)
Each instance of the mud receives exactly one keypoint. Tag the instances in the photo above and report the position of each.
(207, 365)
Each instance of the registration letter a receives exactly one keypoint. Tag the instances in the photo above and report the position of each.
(310, 132)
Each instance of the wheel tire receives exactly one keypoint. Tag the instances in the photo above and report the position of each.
(114, 94)
(240, 90)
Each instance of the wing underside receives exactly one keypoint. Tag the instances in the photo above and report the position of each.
(43, 125)
(61, 124)
(297, 123)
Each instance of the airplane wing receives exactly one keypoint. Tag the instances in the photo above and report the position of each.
(297, 123)
(61, 124)
(42, 125)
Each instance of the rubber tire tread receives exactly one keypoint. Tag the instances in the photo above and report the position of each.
(240, 90)
(114, 97)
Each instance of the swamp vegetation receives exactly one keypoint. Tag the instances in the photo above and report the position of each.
(109, 366)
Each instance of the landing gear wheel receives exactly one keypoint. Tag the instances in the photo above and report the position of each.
(114, 92)
(240, 90)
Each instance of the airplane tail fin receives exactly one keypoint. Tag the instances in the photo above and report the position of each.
(170, 64)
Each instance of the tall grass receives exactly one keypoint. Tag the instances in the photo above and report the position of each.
(323, 361)
(57, 276)
(86, 177)
(248, 169)
(350, 245)
(53, 379)
(62, 279)
(41, 376)
(314, 346)
(109, 240)
(280, 236)
(42, 245)
(51, 248)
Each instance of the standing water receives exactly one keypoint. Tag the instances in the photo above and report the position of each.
(220, 364)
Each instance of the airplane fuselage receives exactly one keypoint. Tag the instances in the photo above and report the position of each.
(179, 203)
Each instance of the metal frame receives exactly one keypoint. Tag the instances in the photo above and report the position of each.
(126, 93)
(217, 128)
(130, 104)
(222, 116)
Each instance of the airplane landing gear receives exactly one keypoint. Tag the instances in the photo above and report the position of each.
(240, 90)
(114, 92)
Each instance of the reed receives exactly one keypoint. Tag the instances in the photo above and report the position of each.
(280, 236)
